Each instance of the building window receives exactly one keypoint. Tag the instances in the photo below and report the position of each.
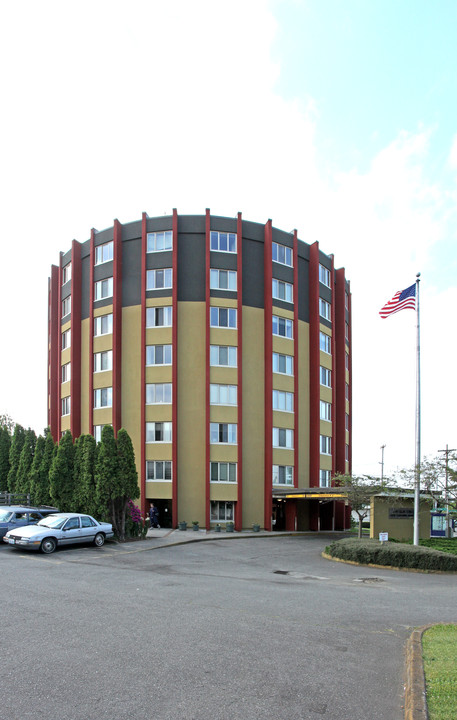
(103, 397)
(223, 433)
(346, 331)
(158, 394)
(283, 291)
(65, 405)
(158, 432)
(346, 447)
(324, 478)
(158, 355)
(66, 372)
(158, 470)
(104, 253)
(159, 279)
(326, 411)
(347, 391)
(326, 445)
(66, 273)
(98, 432)
(282, 327)
(283, 475)
(66, 306)
(221, 511)
(159, 316)
(326, 377)
(66, 339)
(224, 242)
(283, 364)
(104, 289)
(324, 276)
(222, 279)
(325, 342)
(283, 401)
(324, 309)
(223, 472)
(346, 418)
(223, 394)
(283, 438)
(103, 361)
(223, 317)
(222, 356)
(346, 361)
(103, 324)
(282, 254)
(158, 241)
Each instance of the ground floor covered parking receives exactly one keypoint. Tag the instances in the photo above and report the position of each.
(312, 509)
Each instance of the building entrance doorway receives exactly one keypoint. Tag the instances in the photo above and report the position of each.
(279, 515)
(164, 508)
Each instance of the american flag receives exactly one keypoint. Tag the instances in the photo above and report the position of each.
(401, 300)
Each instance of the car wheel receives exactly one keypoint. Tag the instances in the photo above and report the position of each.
(48, 545)
(99, 540)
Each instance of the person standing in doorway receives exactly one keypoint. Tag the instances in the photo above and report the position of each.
(154, 516)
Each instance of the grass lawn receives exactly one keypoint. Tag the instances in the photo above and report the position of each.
(439, 650)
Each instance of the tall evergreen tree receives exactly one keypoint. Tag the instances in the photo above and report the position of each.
(35, 468)
(17, 442)
(77, 473)
(86, 489)
(106, 470)
(25, 462)
(126, 486)
(5, 444)
(41, 484)
(61, 478)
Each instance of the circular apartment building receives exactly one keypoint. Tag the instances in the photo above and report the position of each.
(223, 346)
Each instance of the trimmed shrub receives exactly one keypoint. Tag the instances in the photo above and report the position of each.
(395, 554)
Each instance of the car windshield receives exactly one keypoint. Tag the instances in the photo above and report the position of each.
(52, 521)
(5, 515)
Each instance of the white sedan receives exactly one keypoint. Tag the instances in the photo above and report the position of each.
(60, 529)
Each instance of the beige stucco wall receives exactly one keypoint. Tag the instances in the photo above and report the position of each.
(399, 529)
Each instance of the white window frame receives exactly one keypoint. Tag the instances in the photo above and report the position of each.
(216, 351)
(156, 281)
(325, 411)
(231, 433)
(215, 276)
(325, 377)
(325, 479)
(219, 314)
(98, 432)
(282, 290)
(324, 276)
(103, 289)
(230, 391)
(103, 320)
(105, 357)
(283, 327)
(325, 444)
(288, 361)
(231, 467)
(286, 434)
(66, 306)
(157, 313)
(104, 253)
(282, 254)
(215, 511)
(164, 427)
(153, 392)
(220, 239)
(66, 273)
(157, 465)
(66, 372)
(287, 471)
(325, 343)
(103, 397)
(283, 401)
(65, 405)
(159, 241)
(325, 309)
(167, 354)
(66, 339)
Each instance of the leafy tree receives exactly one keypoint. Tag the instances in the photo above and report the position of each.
(359, 490)
(61, 477)
(5, 445)
(7, 422)
(85, 490)
(25, 462)
(17, 442)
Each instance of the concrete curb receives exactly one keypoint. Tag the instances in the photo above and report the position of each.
(415, 690)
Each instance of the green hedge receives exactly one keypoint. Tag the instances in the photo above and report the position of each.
(395, 554)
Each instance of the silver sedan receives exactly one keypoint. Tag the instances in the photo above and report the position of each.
(60, 529)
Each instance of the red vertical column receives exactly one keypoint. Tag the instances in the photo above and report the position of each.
(207, 366)
(349, 302)
(239, 290)
(296, 366)
(333, 345)
(91, 331)
(54, 349)
(314, 366)
(75, 353)
(59, 361)
(117, 327)
(143, 364)
(268, 348)
(174, 482)
(339, 364)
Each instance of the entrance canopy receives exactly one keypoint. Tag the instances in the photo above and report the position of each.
(314, 493)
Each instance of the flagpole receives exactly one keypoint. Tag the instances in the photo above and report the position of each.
(418, 419)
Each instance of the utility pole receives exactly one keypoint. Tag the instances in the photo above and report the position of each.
(382, 462)
(446, 497)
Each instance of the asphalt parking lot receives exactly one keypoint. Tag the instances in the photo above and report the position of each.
(259, 627)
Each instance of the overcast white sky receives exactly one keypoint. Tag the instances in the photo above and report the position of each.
(335, 118)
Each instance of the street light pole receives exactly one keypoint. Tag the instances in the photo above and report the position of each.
(382, 462)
